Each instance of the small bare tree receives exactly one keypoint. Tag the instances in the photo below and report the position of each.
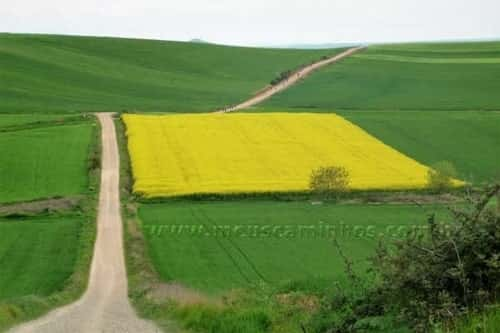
(331, 180)
(440, 177)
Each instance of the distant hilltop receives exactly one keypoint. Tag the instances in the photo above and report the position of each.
(198, 40)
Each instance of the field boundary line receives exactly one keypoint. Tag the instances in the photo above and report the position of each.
(295, 77)
(36, 126)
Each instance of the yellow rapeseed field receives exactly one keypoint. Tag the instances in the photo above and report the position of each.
(273, 152)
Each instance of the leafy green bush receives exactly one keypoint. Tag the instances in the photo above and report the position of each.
(352, 310)
(446, 272)
(426, 282)
(282, 77)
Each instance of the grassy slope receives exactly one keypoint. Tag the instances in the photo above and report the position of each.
(469, 140)
(64, 74)
(37, 255)
(44, 162)
(202, 262)
(405, 77)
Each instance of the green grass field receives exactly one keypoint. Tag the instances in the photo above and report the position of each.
(276, 241)
(70, 74)
(44, 162)
(404, 77)
(37, 255)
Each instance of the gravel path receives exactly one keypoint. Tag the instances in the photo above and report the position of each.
(105, 307)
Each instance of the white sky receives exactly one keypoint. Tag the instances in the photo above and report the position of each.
(259, 22)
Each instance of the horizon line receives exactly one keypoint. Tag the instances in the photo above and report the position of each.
(285, 45)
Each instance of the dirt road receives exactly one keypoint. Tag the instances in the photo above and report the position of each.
(105, 307)
(294, 78)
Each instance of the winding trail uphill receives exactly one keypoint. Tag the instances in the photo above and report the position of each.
(291, 80)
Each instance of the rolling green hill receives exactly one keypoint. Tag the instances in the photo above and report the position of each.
(41, 73)
(462, 76)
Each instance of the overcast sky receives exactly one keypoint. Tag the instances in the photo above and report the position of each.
(259, 22)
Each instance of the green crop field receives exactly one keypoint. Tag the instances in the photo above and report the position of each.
(469, 140)
(69, 74)
(277, 241)
(44, 162)
(37, 254)
(405, 77)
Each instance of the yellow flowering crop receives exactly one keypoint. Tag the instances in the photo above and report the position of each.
(249, 152)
